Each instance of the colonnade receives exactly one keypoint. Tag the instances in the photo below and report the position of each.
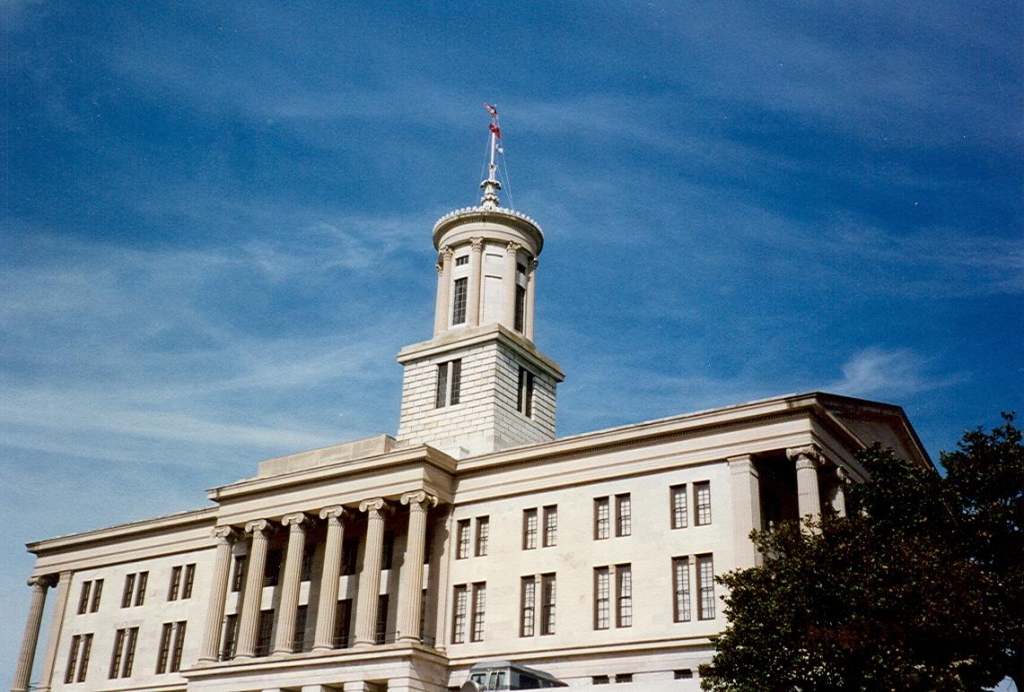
(258, 533)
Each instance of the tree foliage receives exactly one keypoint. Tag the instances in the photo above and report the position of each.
(918, 588)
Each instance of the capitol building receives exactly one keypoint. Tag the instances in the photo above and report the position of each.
(473, 534)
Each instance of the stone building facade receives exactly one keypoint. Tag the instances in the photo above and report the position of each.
(396, 563)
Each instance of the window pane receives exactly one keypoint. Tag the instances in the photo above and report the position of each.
(550, 526)
(602, 607)
(441, 391)
(459, 615)
(528, 606)
(703, 493)
(680, 512)
(623, 515)
(601, 518)
(706, 587)
(624, 606)
(483, 530)
(463, 537)
(459, 301)
(681, 584)
(529, 529)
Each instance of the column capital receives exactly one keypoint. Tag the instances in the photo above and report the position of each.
(447, 252)
(533, 263)
(376, 504)
(257, 526)
(419, 498)
(513, 248)
(224, 533)
(42, 581)
(336, 512)
(476, 244)
(808, 456)
(296, 520)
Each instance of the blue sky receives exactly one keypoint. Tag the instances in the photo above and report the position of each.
(216, 222)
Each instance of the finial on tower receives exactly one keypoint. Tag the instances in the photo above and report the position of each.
(491, 185)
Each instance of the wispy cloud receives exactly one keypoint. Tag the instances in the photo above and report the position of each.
(892, 373)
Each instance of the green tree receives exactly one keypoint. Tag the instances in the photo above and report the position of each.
(917, 589)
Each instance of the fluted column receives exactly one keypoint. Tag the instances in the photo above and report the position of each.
(248, 625)
(45, 676)
(369, 578)
(475, 270)
(807, 460)
(511, 260)
(531, 301)
(409, 602)
(439, 301)
(746, 508)
(208, 651)
(443, 291)
(285, 637)
(35, 620)
(328, 606)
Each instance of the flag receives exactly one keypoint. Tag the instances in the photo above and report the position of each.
(491, 109)
(496, 130)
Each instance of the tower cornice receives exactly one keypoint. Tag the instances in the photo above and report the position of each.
(477, 219)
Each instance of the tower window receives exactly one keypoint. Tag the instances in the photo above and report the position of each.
(459, 301)
(520, 308)
(461, 260)
(524, 402)
(449, 383)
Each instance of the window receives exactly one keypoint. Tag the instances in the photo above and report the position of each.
(134, 592)
(123, 656)
(129, 589)
(172, 643)
(179, 645)
(461, 260)
(97, 593)
(140, 591)
(702, 492)
(448, 391)
(681, 587)
(172, 590)
(381, 633)
(227, 650)
(83, 599)
(527, 606)
(190, 578)
(308, 552)
(349, 556)
(299, 638)
(483, 532)
(524, 401)
(602, 604)
(705, 588)
(476, 631)
(239, 574)
(547, 604)
(387, 550)
(459, 301)
(520, 308)
(623, 596)
(529, 529)
(78, 658)
(265, 631)
(550, 526)
(680, 511)
(599, 680)
(463, 537)
(601, 518)
(684, 674)
(342, 623)
(623, 677)
(459, 615)
(272, 567)
(165, 647)
(623, 515)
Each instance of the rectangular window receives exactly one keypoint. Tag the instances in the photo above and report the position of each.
(476, 631)
(623, 596)
(705, 588)
(483, 531)
(680, 510)
(272, 567)
(115, 655)
(129, 590)
(448, 391)
(681, 587)
(172, 590)
(122, 658)
(140, 588)
(463, 537)
(387, 550)
(623, 678)
(547, 605)
(308, 552)
(165, 647)
(461, 260)
(602, 522)
(550, 526)
(83, 598)
(97, 593)
(227, 649)
(702, 491)
(459, 301)
(265, 632)
(342, 623)
(599, 680)
(527, 606)
(529, 529)
(520, 308)
(190, 578)
(602, 594)
(179, 645)
(623, 515)
(349, 556)
(299, 638)
(78, 658)
(239, 574)
(459, 614)
(524, 400)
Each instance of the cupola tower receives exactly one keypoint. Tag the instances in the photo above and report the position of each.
(480, 384)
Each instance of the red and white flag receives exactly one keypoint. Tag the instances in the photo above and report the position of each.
(496, 130)
(491, 109)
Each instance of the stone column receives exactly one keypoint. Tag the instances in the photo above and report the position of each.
(807, 460)
(439, 300)
(746, 508)
(208, 650)
(409, 598)
(511, 261)
(35, 620)
(248, 626)
(444, 288)
(289, 607)
(369, 578)
(327, 608)
(838, 494)
(56, 626)
(475, 288)
(531, 300)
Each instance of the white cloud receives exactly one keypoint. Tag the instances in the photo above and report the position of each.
(889, 373)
